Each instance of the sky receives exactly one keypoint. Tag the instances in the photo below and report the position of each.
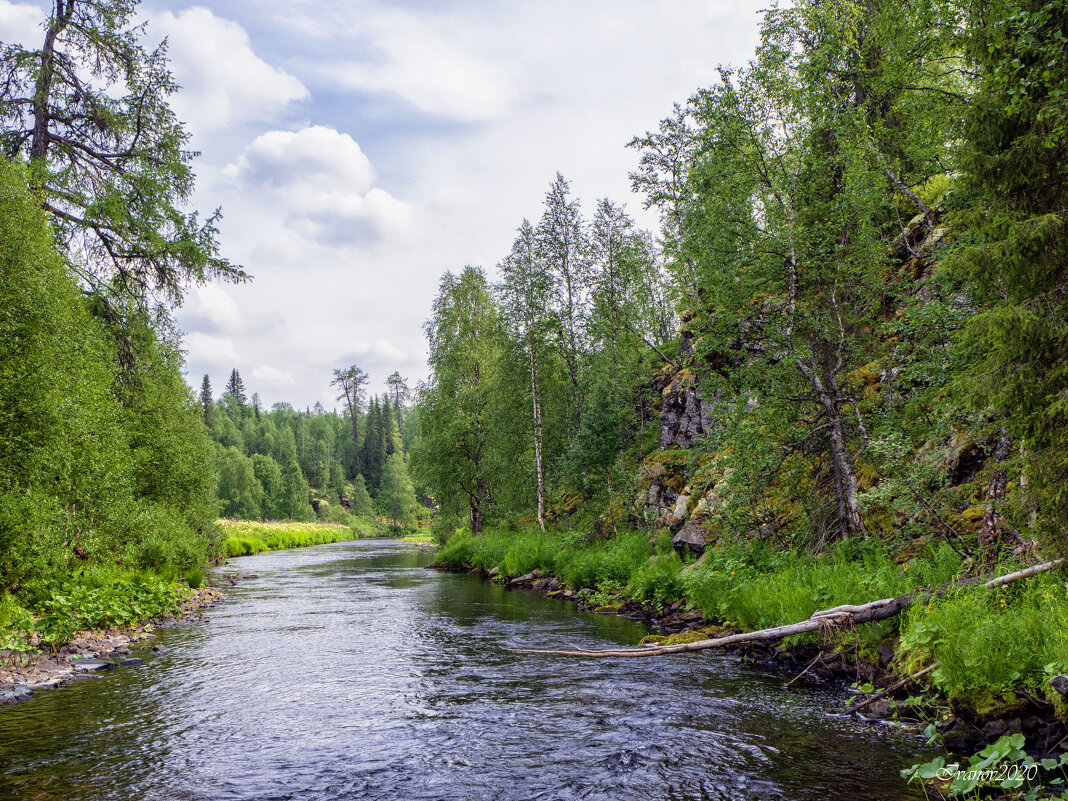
(360, 149)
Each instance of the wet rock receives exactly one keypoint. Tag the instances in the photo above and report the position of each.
(16, 694)
(132, 661)
(159, 648)
(535, 573)
(886, 653)
(1060, 684)
(692, 537)
(881, 708)
(94, 665)
(553, 584)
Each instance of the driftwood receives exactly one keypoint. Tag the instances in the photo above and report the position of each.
(894, 687)
(839, 617)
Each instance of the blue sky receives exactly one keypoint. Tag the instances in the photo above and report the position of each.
(360, 149)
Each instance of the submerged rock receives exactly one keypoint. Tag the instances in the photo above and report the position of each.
(133, 661)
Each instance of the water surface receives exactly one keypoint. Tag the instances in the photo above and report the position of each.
(349, 671)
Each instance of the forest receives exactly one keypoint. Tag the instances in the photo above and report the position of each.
(834, 374)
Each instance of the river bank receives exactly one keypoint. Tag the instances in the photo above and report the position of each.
(957, 704)
(88, 653)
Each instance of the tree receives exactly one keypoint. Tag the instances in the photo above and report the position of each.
(396, 496)
(464, 347)
(362, 505)
(235, 391)
(562, 246)
(1015, 249)
(88, 111)
(240, 493)
(351, 381)
(666, 156)
(294, 505)
(269, 474)
(399, 387)
(207, 402)
(526, 294)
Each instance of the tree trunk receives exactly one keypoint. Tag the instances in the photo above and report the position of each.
(850, 518)
(43, 87)
(991, 528)
(537, 435)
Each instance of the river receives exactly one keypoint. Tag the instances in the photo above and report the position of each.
(349, 671)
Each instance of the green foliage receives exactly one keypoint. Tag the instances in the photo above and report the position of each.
(1002, 765)
(105, 602)
(396, 497)
(110, 158)
(93, 470)
(991, 641)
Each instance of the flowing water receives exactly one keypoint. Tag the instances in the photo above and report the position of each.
(348, 671)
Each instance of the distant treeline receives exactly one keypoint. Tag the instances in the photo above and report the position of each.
(287, 464)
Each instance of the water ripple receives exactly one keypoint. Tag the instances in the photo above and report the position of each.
(348, 671)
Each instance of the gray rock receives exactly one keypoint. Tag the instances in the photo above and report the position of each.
(692, 537)
(678, 514)
(93, 665)
(132, 661)
(524, 579)
(1060, 684)
(159, 648)
(494, 572)
(16, 694)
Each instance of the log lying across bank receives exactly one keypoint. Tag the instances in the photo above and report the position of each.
(838, 617)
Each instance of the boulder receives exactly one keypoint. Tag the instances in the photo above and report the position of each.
(691, 537)
(494, 572)
(678, 514)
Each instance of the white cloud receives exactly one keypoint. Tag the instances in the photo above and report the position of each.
(223, 81)
(210, 349)
(429, 68)
(323, 183)
(20, 23)
(214, 304)
(272, 376)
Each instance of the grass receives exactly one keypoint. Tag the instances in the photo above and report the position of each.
(985, 642)
(252, 536)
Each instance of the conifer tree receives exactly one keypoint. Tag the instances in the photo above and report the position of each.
(207, 402)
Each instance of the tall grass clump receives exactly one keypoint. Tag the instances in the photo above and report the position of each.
(755, 588)
(991, 641)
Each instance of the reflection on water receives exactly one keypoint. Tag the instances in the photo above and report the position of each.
(348, 671)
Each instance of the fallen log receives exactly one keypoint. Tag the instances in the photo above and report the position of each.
(839, 617)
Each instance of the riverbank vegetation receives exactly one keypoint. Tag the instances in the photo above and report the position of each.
(250, 536)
